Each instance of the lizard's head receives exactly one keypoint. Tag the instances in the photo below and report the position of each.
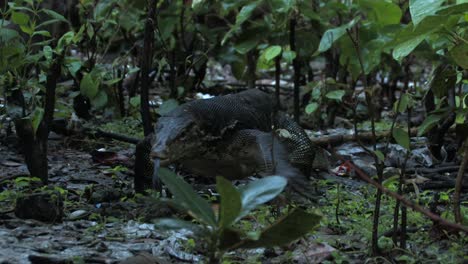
(176, 135)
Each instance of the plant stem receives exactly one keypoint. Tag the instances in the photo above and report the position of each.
(146, 62)
(458, 184)
(296, 66)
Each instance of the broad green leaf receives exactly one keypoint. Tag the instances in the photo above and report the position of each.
(246, 12)
(231, 205)
(261, 191)
(73, 67)
(27, 29)
(272, 52)
(167, 106)
(185, 196)
(404, 49)
(287, 229)
(36, 118)
(383, 12)
(335, 95)
(311, 108)
(135, 101)
(100, 100)
(420, 9)
(65, 40)
(429, 123)
(263, 63)
(332, 35)
(459, 54)
(403, 103)
(19, 18)
(88, 86)
(7, 34)
(411, 36)
(47, 50)
(459, 8)
(288, 56)
(246, 45)
(401, 137)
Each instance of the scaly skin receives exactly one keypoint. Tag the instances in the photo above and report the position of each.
(232, 136)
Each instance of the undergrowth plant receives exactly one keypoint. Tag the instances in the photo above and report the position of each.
(218, 228)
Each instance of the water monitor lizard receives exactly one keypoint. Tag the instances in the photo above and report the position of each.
(234, 136)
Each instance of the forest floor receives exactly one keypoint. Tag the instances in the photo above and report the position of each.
(104, 222)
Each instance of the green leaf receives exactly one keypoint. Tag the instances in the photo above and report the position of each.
(404, 102)
(460, 8)
(282, 6)
(459, 54)
(246, 12)
(231, 205)
(443, 79)
(401, 137)
(47, 50)
(332, 35)
(272, 52)
(43, 33)
(88, 86)
(404, 49)
(56, 16)
(7, 34)
(135, 101)
(382, 12)
(27, 29)
(289, 56)
(167, 106)
(246, 45)
(19, 18)
(429, 123)
(112, 81)
(186, 197)
(379, 155)
(65, 40)
(411, 36)
(336, 95)
(36, 118)
(73, 67)
(287, 229)
(261, 191)
(420, 9)
(311, 108)
(100, 100)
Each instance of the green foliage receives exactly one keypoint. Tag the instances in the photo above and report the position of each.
(235, 204)
(401, 136)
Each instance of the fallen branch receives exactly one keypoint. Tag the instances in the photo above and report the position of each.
(415, 207)
(362, 136)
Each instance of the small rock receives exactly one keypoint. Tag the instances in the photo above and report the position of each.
(44, 206)
(78, 214)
